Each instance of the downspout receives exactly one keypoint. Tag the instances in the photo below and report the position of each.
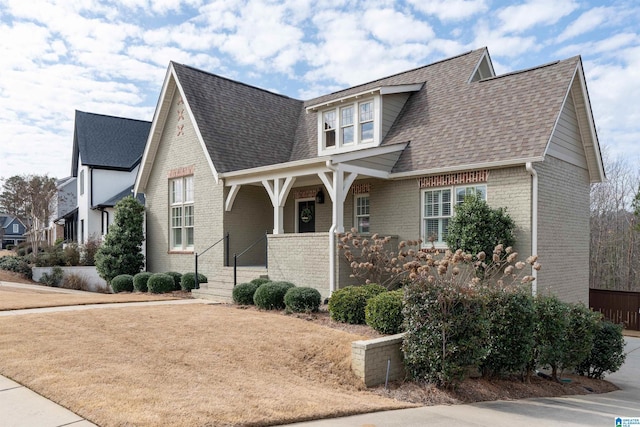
(534, 222)
(332, 239)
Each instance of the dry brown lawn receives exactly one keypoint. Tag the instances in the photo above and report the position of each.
(192, 365)
(13, 298)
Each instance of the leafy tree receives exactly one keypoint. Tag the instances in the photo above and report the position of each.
(476, 227)
(121, 251)
(28, 198)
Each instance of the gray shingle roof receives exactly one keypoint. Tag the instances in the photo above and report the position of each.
(121, 195)
(242, 126)
(108, 142)
(449, 122)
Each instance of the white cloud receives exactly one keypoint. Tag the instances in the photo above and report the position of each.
(450, 10)
(588, 21)
(522, 17)
(501, 44)
(384, 24)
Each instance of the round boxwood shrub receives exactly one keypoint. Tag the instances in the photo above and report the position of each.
(140, 281)
(302, 299)
(160, 283)
(177, 277)
(607, 354)
(188, 280)
(122, 283)
(243, 293)
(260, 281)
(270, 295)
(347, 305)
(383, 312)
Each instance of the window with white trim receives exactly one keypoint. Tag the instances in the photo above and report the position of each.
(362, 207)
(348, 125)
(16, 228)
(437, 209)
(181, 213)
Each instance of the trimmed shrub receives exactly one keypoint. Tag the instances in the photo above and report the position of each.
(243, 293)
(188, 281)
(510, 344)
(17, 265)
(50, 256)
(160, 283)
(303, 299)
(177, 277)
(447, 328)
(383, 312)
(607, 354)
(122, 283)
(552, 323)
(52, 279)
(270, 295)
(347, 305)
(140, 281)
(260, 281)
(579, 339)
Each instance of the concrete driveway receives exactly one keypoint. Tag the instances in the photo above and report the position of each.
(593, 410)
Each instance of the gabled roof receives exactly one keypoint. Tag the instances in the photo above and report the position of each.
(121, 195)
(462, 117)
(108, 142)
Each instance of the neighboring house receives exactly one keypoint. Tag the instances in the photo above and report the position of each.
(392, 156)
(63, 205)
(105, 161)
(12, 231)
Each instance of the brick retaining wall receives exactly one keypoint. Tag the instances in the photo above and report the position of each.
(369, 359)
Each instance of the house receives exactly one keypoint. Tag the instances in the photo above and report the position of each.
(63, 205)
(106, 156)
(11, 231)
(392, 156)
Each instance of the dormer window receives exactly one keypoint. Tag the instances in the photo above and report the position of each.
(349, 126)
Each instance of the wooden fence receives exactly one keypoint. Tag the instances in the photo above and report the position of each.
(617, 306)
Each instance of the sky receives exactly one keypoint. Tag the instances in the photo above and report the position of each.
(110, 57)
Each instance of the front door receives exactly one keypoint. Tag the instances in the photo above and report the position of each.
(306, 216)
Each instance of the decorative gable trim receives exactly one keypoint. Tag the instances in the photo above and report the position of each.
(362, 188)
(309, 193)
(470, 177)
(180, 172)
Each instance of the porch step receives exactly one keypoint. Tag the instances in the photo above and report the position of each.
(220, 286)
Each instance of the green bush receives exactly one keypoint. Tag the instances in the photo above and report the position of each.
(89, 250)
(177, 277)
(50, 256)
(260, 280)
(243, 293)
(16, 264)
(140, 281)
(347, 305)
(52, 279)
(512, 320)
(302, 299)
(552, 323)
(122, 283)
(160, 283)
(580, 334)
(270, 295)
(607, 354)
(476, 227)
(188, 281)
(446, 331)
(383, 312)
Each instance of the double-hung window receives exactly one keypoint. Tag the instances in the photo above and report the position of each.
(437, 209)
(349, 125)
(362, 213)
(181, 213)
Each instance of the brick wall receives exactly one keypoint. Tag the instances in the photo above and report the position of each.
(370, 359)
(563, 229)
(180, 148)
(302, 259)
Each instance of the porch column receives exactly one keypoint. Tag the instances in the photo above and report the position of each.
(278, 190)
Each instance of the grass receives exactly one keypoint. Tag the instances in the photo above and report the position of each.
(13, 298)
(189, 365)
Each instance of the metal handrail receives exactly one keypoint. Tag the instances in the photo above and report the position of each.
(236, 256)
(226, 238)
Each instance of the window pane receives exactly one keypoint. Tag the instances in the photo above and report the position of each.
(446, 202)
(347, 135)
(366, 131)
(176, 191)
(363, 224)
(189, 232)
(460, 193)
(347, 116)
(176, 217)
(330, 120)
(177, 237)
(330, 138)
(432, 227)
(188, 216)
(366, 111)
(445, 228)
(188, 189)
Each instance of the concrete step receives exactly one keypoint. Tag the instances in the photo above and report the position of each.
(220, 286)
(218, 295)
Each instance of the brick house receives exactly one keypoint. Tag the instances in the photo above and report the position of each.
(392, 156)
